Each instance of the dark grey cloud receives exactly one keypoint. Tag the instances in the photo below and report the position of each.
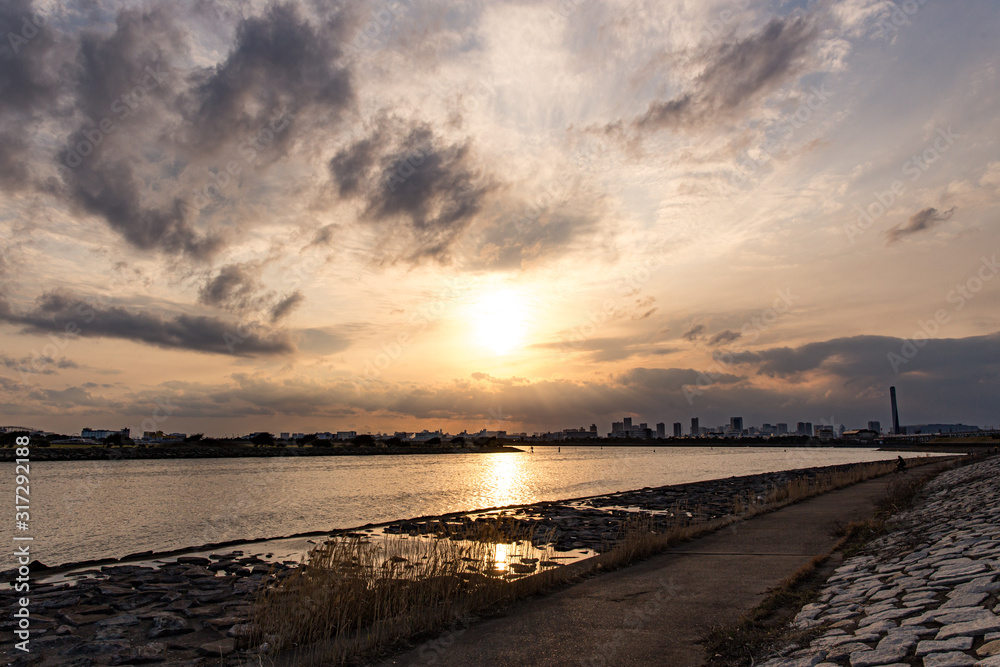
(239, 289)
(736, 74)
(281, 65)
(727, 336)
(37, 365)
(232, 287)
(422, 185)
(144, 134)
(694, 332)
(29, 82)
(859, 357)
(918, 222)
(285, 306)
(63, 314)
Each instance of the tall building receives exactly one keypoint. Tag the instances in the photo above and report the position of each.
(628, 423)
(661, 430)
(895, 412)
(875, 426)
(782, 429)
(617, 427)
(677, 430)
(695, 431)
(804, 428)
(736, 424)
(593, 428)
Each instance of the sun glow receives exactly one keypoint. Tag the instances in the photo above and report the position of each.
(500, 320)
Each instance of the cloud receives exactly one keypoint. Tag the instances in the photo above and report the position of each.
(232, 287)
(282, 64)
(60, 314)
(415, 183)
(37, 364)
(284, 307)
(694, 332)
(145, 130)
(726, 336)
(736, 74)
(918, 222)
(608, 348)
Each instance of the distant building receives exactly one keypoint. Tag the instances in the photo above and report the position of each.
(100, 434)
(934, 429)
(874, 426)
(695, 430)
(342, 435)
(736, 424)
(804, 428)
(782, 429)
(661, 430)
(617, 427)
(286, 436)
(861, 435)
(677, 430)
(628, 423)
(824, 432)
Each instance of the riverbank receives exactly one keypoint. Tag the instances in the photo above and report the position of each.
(194, 451)
(185, 608)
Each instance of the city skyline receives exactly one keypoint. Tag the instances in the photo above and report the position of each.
(388, 216)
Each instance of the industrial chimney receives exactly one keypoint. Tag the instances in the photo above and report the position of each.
(895, 412)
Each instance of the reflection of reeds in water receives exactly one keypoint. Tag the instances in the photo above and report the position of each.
(356, 595)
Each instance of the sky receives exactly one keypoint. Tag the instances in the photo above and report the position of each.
(227, 217)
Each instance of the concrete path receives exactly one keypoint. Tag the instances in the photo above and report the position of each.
(655, 612)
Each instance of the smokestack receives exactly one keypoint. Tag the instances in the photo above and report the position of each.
(895, 413)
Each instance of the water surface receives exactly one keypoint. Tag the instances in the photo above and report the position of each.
(83, 510)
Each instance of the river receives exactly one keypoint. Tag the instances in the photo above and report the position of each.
(83, 510)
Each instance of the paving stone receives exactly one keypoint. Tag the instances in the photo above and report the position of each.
(935, 646)
(988, 649)
(954, 659)
(970, 628)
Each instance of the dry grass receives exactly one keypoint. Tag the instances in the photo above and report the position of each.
(357, 596)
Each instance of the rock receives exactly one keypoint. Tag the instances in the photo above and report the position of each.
(83, 619)
(193, 560)
(970, 628)
(953, 644)
(165, 625)
(220, 648)
(988, 649)
(240, 630)
(124, 619)
(140, 655)
(953, 659)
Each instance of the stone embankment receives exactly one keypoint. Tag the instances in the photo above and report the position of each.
(594, 523)
(924, 595)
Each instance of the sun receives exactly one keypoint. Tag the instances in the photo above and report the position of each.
(500, 320)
